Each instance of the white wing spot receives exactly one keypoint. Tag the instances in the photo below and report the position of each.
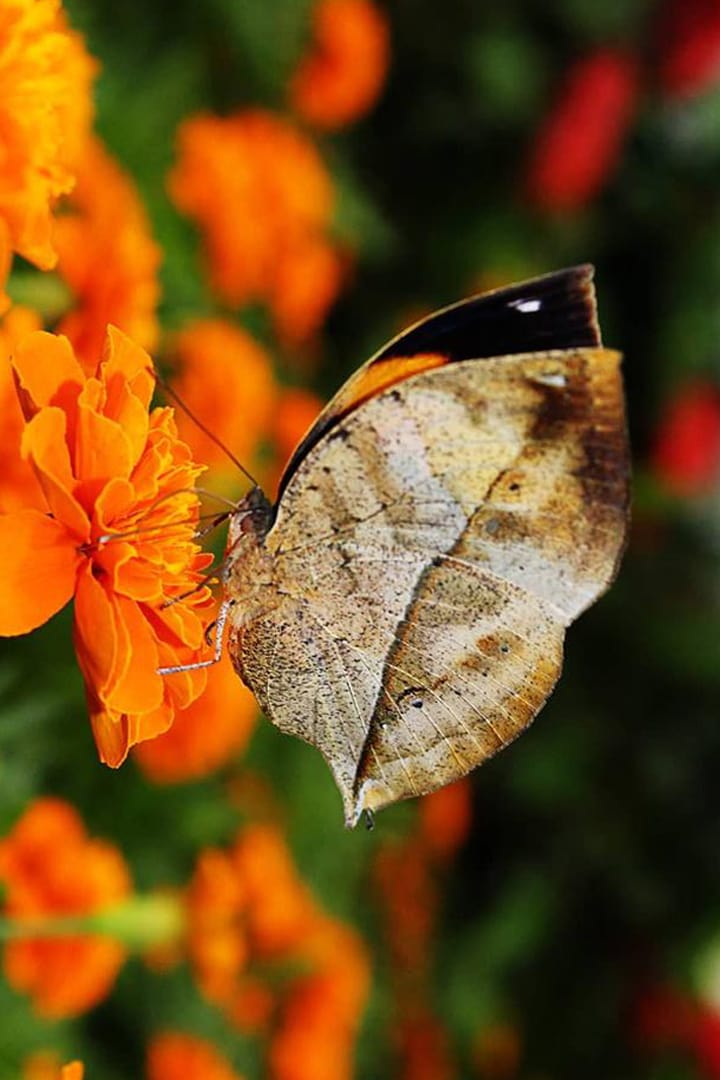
(551, 378)
(527, 307)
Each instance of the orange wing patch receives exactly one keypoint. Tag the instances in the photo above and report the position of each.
(373, 378)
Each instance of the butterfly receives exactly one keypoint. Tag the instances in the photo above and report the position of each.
(461, 500)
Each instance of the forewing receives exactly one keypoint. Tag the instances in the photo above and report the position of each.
(429, 552)
(555, 311)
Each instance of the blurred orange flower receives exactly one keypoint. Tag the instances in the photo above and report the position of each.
(45, 1065)
(305, 288)
(45, 111)
(342, 76)
(175, 1056)
(263, 200)
(19, 485)
(296, 411)
(107, 257)
(407, 875)
(226, 379)
(321, 1012)
(579, 144)
(115, 530)
(445, 819)
(686, 453)
(50, 867)
(209, 733)
(248, 909)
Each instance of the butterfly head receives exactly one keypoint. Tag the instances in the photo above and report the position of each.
(250, 521)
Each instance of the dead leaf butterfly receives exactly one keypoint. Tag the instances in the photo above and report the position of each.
(459, 502)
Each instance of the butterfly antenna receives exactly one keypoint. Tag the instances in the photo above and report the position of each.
(171, 393)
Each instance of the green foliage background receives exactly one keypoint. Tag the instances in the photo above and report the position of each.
(594, 860)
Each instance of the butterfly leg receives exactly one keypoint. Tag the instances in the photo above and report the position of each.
(219, 636)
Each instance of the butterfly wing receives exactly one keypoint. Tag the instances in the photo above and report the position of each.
(555, 311)
(428, 552)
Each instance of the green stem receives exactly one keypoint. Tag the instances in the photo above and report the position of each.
(139, 923)
(45, 293)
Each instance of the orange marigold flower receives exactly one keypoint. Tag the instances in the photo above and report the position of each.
(45, 111)
(321, 1013)
(226, 379)
(107, 256)
(248, 906)
(245, 901)
(115, 530)
(212, 730)
(341, 78)
(262, 197)
(50, 867)
(580, 142)
(175, 1056)
(19, 486)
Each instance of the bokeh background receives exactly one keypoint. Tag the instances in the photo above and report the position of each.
(283, 186)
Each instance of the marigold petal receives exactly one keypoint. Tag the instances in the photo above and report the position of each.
(37, 571)
(102, 449)
(5, 263)
(116, 650)
(43, 443)
(139, 689)
(110, 732)
(100, 652)
(123, 356)
(148, 725)
(48, 372)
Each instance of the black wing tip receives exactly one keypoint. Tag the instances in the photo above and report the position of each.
(570, 304)
(553, 311)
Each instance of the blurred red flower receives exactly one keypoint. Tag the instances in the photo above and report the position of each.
(689, 47)
(686, 453)
(706, 1043)
(579, 144)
